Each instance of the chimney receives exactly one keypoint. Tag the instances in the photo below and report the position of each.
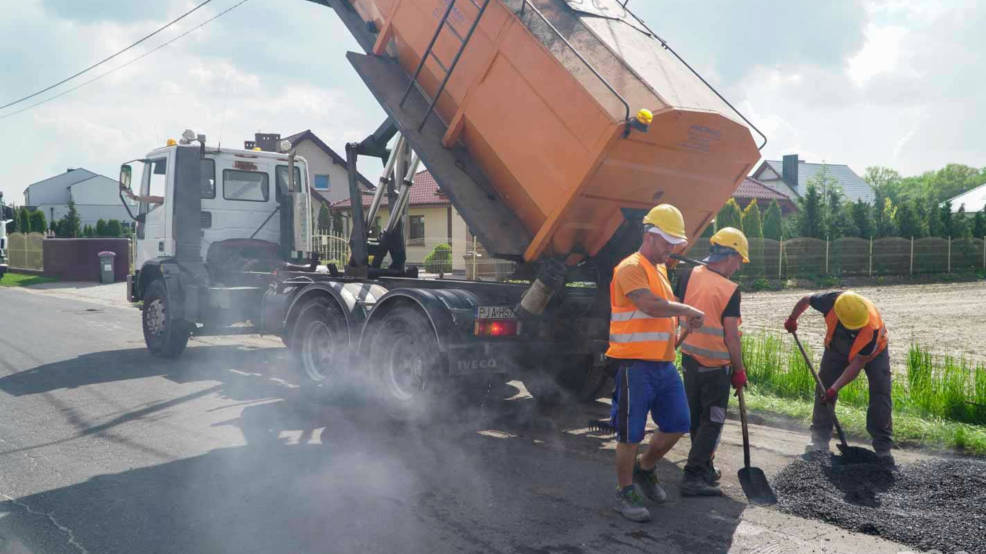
(789, 170)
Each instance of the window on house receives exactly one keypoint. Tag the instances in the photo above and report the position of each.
(322, 182)
(249, 186)
(416, 230)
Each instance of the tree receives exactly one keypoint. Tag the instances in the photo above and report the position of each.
(886, 183)
(810, 220)
(23, 221)
(88, 232)
(323, 219)
(979, 224)
(38, 221)
(70, 226)
(838, 218)
(862, 218)
(752, 226)
(960, 225)
(439, 260)
(337, 225)
(886, 223)
(730, 215)
(945, 214)
(100, 228)
(114, 228)
(772, 221)
(909, 224)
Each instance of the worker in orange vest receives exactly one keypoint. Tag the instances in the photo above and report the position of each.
(711, 355)
(642, 329)
(855, 340)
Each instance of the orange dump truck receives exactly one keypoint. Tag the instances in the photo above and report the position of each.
(552, 126)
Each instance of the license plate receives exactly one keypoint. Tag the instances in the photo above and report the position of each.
(495, 312)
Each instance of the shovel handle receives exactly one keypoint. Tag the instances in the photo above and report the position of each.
(821, 390)
(746, 432)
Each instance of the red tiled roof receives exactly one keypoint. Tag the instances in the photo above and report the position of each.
(752, 188)
(424, 192)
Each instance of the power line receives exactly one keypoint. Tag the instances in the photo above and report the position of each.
(138, 58)
(104, 60)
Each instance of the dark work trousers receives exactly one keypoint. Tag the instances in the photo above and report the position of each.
(707, 389)
(879, 419)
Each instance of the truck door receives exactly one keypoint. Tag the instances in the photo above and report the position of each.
(154, 233)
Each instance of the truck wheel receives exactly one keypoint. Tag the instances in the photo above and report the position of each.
(164, 335)
(319, 340)
(409, 367)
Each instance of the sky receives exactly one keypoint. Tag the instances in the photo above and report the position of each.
(897, 83)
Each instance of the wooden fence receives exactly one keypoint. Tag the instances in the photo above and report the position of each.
(808, 257)
(25, 250)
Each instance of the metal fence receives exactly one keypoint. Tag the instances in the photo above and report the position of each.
(25, 250)
(808, 257)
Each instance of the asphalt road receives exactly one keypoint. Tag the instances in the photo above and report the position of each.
(104, 448)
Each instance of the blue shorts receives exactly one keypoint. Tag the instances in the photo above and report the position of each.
(644, 387)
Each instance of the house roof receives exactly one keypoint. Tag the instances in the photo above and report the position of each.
(752, 188)
(974, 200)
(307, 134)
(424, 192)
(853, 186)
(62, 181)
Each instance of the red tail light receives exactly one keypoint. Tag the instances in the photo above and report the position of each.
(496, 328)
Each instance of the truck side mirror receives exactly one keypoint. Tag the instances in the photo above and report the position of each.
(125, 173)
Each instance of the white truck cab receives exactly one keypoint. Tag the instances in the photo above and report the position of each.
(212, 228)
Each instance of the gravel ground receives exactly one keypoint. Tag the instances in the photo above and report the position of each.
(937, 504)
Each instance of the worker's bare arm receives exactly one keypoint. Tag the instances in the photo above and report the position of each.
(655, 306)
(850, 373)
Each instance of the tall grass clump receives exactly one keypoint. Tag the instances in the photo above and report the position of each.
(947, 388)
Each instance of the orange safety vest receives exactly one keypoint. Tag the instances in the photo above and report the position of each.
(633, 334)
(710, 292)
(873, 326)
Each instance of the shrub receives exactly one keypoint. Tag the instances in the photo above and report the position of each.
(439, 260)
(114, 228)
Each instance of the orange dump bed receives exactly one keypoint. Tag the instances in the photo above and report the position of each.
(539, 103)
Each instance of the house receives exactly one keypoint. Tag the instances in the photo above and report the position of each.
(790, 177)
(95, 196)
(330, 179)
(751, 189)
(431, 220)
(974, 200)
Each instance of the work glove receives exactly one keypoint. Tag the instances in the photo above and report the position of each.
(830, 395)
(739, 379)
(791, 325)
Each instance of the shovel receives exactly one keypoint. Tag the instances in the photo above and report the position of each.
(850, 454)
(752, 479)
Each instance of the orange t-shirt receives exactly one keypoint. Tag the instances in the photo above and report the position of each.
(631, 276)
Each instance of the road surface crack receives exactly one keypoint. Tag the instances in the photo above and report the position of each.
(51, 517)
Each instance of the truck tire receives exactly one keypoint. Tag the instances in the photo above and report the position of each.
(319, 341)
(408, 366)
(164, 335)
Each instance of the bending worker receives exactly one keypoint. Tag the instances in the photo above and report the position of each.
(855, 339)
(642, 337)
(711, 355)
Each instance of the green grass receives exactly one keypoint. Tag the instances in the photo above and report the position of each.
(909, 430)
(938, 401)
(22, 280)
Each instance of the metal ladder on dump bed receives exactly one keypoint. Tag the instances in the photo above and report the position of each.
(429, 52)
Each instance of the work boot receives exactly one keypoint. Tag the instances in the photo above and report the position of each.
(631, 505)
(696, 485)
(886, 458)
(712, 474)
(648, 483)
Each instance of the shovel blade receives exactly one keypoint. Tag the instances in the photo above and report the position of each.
(756, 487)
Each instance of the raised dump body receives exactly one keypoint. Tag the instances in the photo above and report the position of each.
(539, 157)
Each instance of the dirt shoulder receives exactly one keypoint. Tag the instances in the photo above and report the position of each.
(946, 318)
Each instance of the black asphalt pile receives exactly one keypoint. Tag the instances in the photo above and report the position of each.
(938, 505)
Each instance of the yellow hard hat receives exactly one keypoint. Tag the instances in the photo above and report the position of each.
(852, 310)
(731, 237)
(668, 219)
